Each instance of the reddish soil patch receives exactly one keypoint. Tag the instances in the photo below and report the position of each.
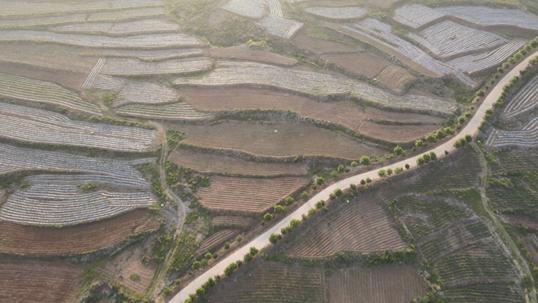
(276, 140)
(319, 46)
(251, 195)
(27, 281)
(76, 240)
(215, 240)
(382, 284)
(128, 269)
(358, 64)
(346, 113)
(362, 227)
(245, 53)
(211, 163)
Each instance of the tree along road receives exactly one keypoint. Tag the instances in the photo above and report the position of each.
(262, 241)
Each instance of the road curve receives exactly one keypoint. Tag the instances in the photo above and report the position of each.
(262, 241)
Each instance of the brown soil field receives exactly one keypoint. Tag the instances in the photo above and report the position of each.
(530, 245)
(357, 118)
(215, 240)
(71, 80)
(521, 221)
(395, 78)
(76, 240)
(48, 56)
(319, 46)
(231, 222)
(272, 282)
(384, 4)
(128, 264)
(359, 63)
(380, 284)
(38, 281)
(245, 53)
(362, 227)
(276, 140)
(251, 195)
(211, 163)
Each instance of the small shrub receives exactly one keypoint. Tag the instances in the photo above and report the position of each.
(433, 156)
(135, 277)
(407, 166)
(274, 238)
(230, 269)
(267, 217)
(320, 204)
(399, 151)
(338, 192)
(365, 160)
(381, 172)
(288, 200)
(389, 171)
(363, 182)
(279, 209)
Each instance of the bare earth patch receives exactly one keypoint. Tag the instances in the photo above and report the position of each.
(247, 54)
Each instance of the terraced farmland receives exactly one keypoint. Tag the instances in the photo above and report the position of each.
(272, 282)
(479, 63)
(215, 240)
(148, 26)
(276, 140)
(141, 92)
(448, 39)
(525, 100)
(367, 121)
(211, 163)
(179, 111)
(46, 93)
(60, 201)
(75, 240)
(234, 194)
(362, 228)
(20, 160)
(384, 284)
(39, 280)
(526, 137)
(134, 67)
(312, 83)
(151, 41)
(238, 222)
(337, 13)
(31, 125)
(145, 55)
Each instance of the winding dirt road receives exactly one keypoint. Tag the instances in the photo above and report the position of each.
(262, 241)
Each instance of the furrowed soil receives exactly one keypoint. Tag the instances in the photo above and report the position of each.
(368, 121)
(245, 53)
(210, 163)
(81, 239)
(276, 140)
(26, 281)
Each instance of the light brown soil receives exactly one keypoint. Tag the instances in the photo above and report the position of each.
(128, 270)
(71, 80)
(384, 4)
(395, 78)
(276, 139)
(319, 46)
(380, 284)
(251, 195)
(76, 240)
(363, 227)
(211, 163)
(38, 281)
(245, 53)
(215, 240)
(346, 113)
(359, 63)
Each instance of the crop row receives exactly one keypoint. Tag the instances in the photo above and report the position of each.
(448, 39)
(362, 227)
(138, 27)
(280, 27)
(380, 35)
(61, 203)
(231, 222)
(146, 55)
(48, 93)
(104, 16)
(525, 100)
(18, 159)
(526, 137)
(312, 83)
(236, 194)
(142, 92)
(476, 63)
(215, 240)
(153, 41)
(23, 8)
(40, 126)
(337, 13)
(417, 16)
(135, 67)
(173, 111)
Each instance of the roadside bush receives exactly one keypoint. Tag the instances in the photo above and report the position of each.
(399, 151)
(389, 171)
(365, 160)
(279, 209)
(381, 172)
(267, 217)
(230, 269)
(274, 238)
